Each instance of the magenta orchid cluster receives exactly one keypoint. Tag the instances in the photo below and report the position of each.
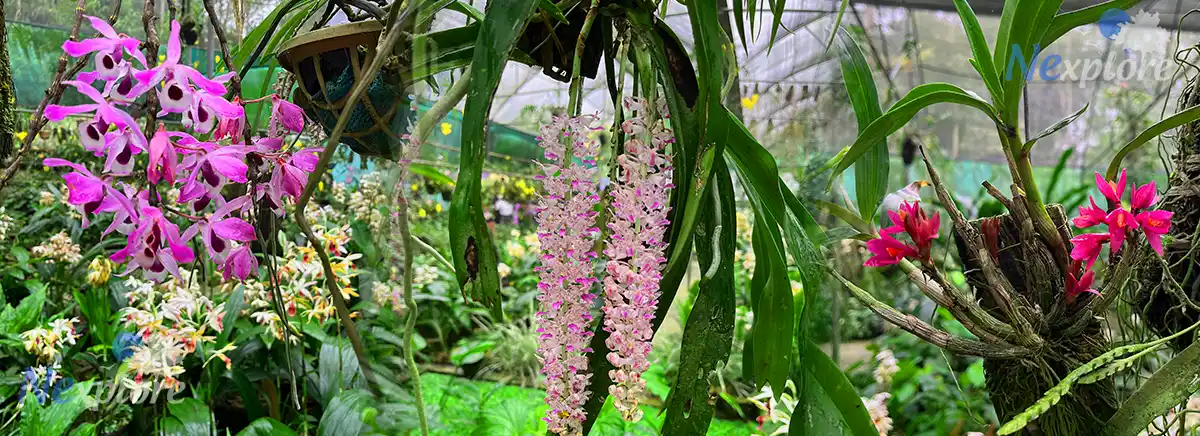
(199, 162)
(635, 258)
(1122, 222)
(910, 219)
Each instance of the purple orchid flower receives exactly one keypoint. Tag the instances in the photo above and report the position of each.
(218, 229)
(179, 77)
(211, 170)
(241, 263)
(285, 113)
(155, 247)
(108, 49)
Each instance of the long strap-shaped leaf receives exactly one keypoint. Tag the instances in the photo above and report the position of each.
(822, 385)
(708, 334)
(1183, 117)
(981, 55)
(1064, 22)
(1022, 25)
(901, 113)
(470, 240)
(871, 171)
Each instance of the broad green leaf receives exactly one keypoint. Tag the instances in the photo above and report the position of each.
(279, 26)
(871, 170)
(474, 252)
(85, 429)
(833, 389)
(982, 56)
(343, 417)
(266, 427)
(1022, 25)
(708, 334)
(24, 316)
(901, 113)
(775, 313)
(56, 417)
(1054, 128)
(430, 173)
(233, 308)
(1063, 23)
(1183, 117)
(189, 417)
(337, 370)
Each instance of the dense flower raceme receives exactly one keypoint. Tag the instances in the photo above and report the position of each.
(566, 233)
(635, 254)
(176, 161)
(634, 259)
(910, 219)
(1123, 221)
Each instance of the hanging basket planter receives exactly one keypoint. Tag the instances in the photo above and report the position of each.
(327, 63)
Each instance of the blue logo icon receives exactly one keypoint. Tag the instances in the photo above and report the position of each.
(1110, 23)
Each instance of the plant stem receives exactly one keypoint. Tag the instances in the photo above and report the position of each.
(1170, 385)
(388, 41)
(1022, 171)
(576, 90)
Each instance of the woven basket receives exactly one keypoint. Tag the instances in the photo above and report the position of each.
(327, 63)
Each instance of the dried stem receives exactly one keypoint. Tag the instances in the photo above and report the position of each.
(53, 93)
(235, 83)
(998, 285)
(929, 333)
(150, 46)
(387, 41)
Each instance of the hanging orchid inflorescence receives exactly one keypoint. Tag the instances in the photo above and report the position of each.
(635, 257)
(200, 160)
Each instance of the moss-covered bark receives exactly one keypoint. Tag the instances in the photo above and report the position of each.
(1014, 385)
(8, 95)
(1164, 308)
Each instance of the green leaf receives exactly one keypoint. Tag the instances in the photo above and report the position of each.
(290, 16)
(25, 315)
(904, 110)
(1022, 24)
(708, 334)
(871, 171)
(1063, 23)
(249, 394)
(844, 214)
(774, 315)
(343, 417)
(1055, 176)
(56, 417)
(837, 24)
(835, 389)
(1054, 128)
(471, 242)
(739, 16)
(189, 417)
(982, 56)
(1183, 117)
(431, 173)
(85, 429)
(233, 308)
(337, 370)
(266, 427)
(466, 9)
(552, 9)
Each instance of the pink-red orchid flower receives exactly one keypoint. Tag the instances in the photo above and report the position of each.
(887, 250)
(1079, 284)
(1154, 224)
(1086, 247)
(1090, 216)
(1111, 190)
(911, 219)
(1143, 197)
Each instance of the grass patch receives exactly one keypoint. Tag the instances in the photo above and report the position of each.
(471, 407)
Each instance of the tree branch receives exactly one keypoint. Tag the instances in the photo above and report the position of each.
(929, 333)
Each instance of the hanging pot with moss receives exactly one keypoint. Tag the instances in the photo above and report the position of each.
(327, 63)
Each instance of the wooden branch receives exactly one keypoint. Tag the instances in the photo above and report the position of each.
(388, 40)
(931, 334)
(998, 285)
(53, 93)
